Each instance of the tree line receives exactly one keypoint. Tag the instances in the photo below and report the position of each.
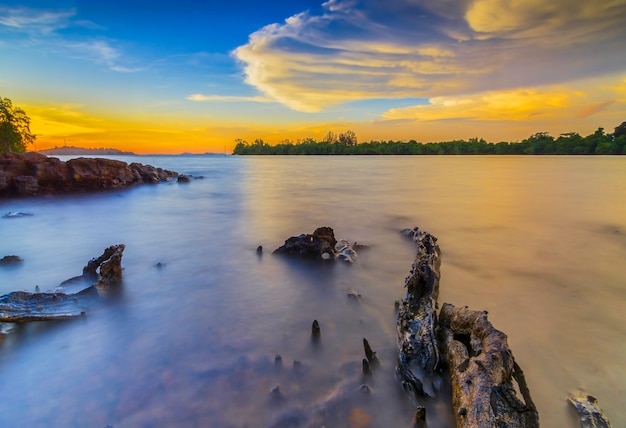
(541, 143)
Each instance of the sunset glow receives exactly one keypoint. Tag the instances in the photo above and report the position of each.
(190, 76)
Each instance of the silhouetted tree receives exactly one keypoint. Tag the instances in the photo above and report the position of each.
(15, 132)
(348, 138)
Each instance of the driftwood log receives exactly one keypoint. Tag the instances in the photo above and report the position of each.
(417, 316)
(106, 271)
(485, 377)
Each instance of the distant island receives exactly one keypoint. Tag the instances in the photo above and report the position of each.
(72, 151)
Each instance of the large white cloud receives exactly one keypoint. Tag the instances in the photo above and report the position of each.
(361, 49)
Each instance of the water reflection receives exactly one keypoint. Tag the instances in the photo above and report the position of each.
(536, 241)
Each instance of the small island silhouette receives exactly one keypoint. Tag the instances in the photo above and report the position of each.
(71, 150)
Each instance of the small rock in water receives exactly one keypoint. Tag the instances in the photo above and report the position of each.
(159, 265)
(353, 295)
(276, 394)
(259, 250)
(365, 389)
(16, 214)
(419, 418)
(183, 178)
(316, 333)
(11, 260)
(367, 369)
(278, 360)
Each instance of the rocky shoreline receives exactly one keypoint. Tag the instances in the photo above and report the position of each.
(34, 174)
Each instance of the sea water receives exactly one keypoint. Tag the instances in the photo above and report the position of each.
(539, 242)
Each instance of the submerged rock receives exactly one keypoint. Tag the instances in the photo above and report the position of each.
(16, 214)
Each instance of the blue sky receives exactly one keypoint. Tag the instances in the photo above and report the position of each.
(192, 75)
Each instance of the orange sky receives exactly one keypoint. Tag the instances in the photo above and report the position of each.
(493, 69)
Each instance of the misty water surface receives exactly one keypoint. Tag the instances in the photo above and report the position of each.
(539, 242)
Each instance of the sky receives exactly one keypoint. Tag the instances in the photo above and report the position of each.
(194, 75)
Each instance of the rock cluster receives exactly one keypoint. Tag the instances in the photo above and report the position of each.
(106, 270)
(319, 245)
(33, 174)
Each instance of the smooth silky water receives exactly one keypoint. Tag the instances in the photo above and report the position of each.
(539, 242)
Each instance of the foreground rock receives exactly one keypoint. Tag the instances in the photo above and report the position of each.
(106, 271)
(484, 373)
(591, 416)
(34, 174)
(320, 245)
(417, 316)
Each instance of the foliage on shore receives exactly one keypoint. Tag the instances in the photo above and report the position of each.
(541, 143)
(15, 133)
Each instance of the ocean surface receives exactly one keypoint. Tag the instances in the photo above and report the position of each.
(539, 242)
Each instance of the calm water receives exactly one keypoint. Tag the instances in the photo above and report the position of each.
(539, 242)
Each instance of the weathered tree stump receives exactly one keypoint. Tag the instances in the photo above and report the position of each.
(417, 317)
(22, 306)
(485, 377)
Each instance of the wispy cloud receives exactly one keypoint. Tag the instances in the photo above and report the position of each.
(229, 98)
(39, 21)
(360, 49)
(100, 52)
(41, 27)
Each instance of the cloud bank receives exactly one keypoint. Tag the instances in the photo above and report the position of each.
(365, 49)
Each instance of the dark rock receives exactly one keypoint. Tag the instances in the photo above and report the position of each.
(319, 245)
(11, 260)
(25, 185)
(419, 417)
(16, 214)
(589, 412)
(184, 178)
(276, 394)
(416, 318)
(4, 183)
(22, 306)
(99, 173)
(367, 369)
(488, 386)
(369, 354)
(278, 360)
(316, 333)
(353, 295)
(33, 174)
(259, 250)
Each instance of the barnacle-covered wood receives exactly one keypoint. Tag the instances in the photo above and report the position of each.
(488, 387)
(417, 317)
